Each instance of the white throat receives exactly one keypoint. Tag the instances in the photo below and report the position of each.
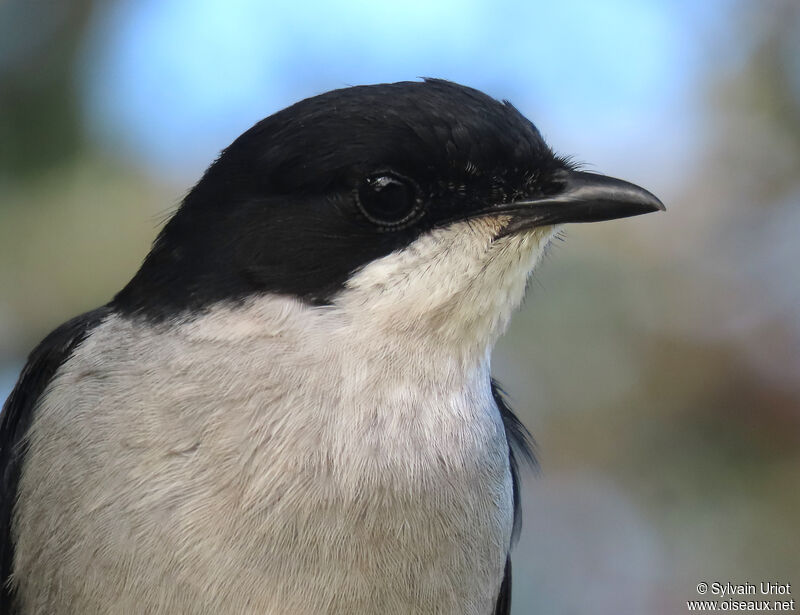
(452, 291)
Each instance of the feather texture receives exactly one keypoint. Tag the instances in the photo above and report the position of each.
(17, 414)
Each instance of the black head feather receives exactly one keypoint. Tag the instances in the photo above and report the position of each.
(279, 212)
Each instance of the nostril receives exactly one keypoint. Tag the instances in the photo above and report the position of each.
(553, 186)
(553, 183)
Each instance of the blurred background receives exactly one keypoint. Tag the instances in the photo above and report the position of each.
(656, 359)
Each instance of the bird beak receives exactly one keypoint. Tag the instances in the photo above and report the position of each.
(581, 197)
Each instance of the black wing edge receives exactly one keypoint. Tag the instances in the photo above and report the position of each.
(503, 606)
(521, 446)
(16, 418)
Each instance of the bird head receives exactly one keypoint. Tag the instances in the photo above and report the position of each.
(418, 208)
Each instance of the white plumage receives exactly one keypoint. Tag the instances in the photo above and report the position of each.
(273, 457)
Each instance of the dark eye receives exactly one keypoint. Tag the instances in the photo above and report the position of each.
(389, 200)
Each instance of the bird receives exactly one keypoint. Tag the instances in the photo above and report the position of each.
(289, 408)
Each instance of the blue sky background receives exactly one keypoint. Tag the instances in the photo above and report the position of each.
(172, 82)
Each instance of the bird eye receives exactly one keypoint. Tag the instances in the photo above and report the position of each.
(389, 200)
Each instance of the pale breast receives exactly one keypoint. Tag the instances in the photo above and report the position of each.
(175, 470)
